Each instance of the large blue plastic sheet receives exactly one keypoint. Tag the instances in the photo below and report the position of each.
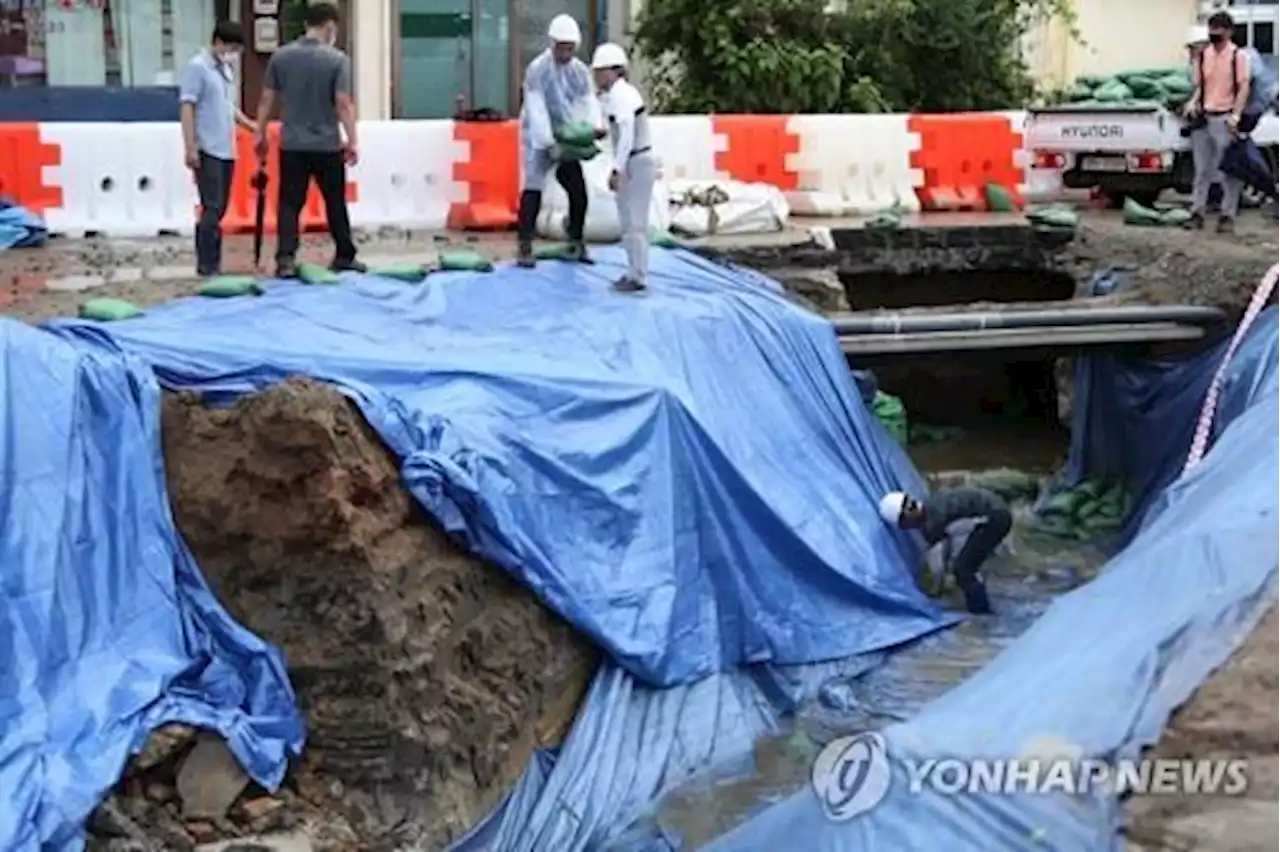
(688, 476)
(107, 629)
(1100, 673)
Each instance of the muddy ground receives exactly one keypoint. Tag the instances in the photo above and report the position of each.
(427, 676)
(412, 659)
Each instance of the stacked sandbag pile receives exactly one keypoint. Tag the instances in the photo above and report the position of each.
(1169, 87)
(1092, 509)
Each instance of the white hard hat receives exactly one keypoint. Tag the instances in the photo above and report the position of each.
(609, 55)
(1197, 34)
(891, 506)
(564, 30)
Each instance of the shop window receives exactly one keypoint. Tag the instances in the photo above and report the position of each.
(100, 42)
(1264, 37)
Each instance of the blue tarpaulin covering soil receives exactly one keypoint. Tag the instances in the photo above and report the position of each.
(1099, 674)
(107, 629)
(688, 476)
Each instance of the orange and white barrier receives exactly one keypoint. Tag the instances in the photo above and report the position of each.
(129, 180)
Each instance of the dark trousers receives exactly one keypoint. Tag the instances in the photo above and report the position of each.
(297, 168)
(213, 182)
(982, 542)
(568, 175)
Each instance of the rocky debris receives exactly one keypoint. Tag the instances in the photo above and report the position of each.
(163, 744)
(428, 677)
(819, 288)
(210, 779)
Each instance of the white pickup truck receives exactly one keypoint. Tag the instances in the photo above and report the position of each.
(1133, 150)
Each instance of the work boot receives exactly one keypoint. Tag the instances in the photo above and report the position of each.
(1226, 225)
(627, 284)
(348, 266)
(577, 252)
(286, 269)
(1195, 222)
(524, 255)
(975, 595)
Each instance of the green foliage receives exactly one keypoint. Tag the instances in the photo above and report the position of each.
(293, 16)
(792, 56)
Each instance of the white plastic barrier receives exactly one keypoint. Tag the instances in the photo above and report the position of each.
(1037, 185)
(703, 208)
(602, 208)
(120, 180)
(860, 164)
(686, 146)
(405, 174)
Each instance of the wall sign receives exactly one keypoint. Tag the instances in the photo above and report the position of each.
(266, 7)
(266, 35)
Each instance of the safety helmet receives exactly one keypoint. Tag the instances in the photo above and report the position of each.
(891, 507)
(564, 30)
(1197, 34)
(609, 55)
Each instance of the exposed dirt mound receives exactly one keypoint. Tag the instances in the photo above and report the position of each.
(1232, 716)
(427, 676)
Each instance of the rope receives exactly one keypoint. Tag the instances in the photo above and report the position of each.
(1204, 426)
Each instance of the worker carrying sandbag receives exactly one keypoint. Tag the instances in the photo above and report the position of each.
(634, 168)
(944, 516)
(557, 94)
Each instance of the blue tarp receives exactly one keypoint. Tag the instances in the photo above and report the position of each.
(689, 477)
(20, 228)
(1100, 673)
(107, 629)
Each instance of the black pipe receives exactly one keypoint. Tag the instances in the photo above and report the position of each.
(897, 323)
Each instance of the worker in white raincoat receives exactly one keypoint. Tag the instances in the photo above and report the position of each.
(557, 91)
(634, 167)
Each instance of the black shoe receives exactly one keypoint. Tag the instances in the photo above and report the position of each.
(975, 598)
(1226, 225)
(524, 256)
(577, 252)
(286, 269)
(627, 284)
(348, 266)
(208, 273)
(1195, 223)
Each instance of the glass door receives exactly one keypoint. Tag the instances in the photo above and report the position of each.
(451, 53)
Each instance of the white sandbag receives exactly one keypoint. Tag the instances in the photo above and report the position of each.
(700, 208)
(811, 202)
(602, 206)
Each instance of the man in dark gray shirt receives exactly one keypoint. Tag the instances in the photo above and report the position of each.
(311, 79)
(950, 512)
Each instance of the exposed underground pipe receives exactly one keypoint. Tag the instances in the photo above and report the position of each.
(897, 323)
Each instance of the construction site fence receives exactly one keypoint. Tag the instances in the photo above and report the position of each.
(130, 180)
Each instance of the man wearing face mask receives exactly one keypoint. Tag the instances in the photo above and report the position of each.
(557, 91)
(312, 81)
(209, 115)
(1221, 74)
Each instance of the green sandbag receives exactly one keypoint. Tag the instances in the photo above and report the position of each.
(1113, 92)
(1058, 526)
(1078, 93)
(465, 260)
(890, 411)
(1054, 217)
(410, 273)
(314, 273)
(1174, 216)
(1093, 81)
(999, 199)
(574, 153)
(886, 221)
(1176, 84)
(1145, 87)
(578, 134)
(662, 239)
(1009, 484)
(1063, 504)
(563, 251)
(1088, 509)
(1139, 216)
(109, 310)
(231, 286)
(1091, 488)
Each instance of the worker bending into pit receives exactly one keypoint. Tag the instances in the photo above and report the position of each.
(947, 515)
(634, 169)
(557, 92)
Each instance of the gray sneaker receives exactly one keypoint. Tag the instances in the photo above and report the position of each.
(627, 284)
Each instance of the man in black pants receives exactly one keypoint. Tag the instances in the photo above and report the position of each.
(943, 515)
(312, 80)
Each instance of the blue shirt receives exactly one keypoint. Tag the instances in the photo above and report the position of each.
(209, 85)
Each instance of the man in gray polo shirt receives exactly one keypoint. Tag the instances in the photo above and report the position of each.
(312, 81)
(209, 116)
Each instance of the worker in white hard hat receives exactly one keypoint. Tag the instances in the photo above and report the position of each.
(1197, 41)
(947, 515)
(557, 91)
(634, 168)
